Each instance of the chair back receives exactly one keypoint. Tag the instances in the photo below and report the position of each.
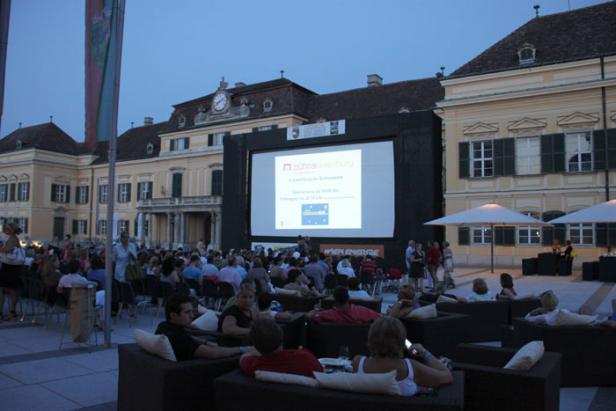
(342, 280)
(194, 284)
(225, 290)
(330, 281)
(165, 289)
(210, 289)
(277, 282)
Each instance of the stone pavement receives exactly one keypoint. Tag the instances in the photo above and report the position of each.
(36, 375)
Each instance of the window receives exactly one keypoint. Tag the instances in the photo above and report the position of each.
(123, 226)
(144, 190)
(578, 151)
(529, 235)
(80, 227)
(101, 227)
(149, 148)
(527, 155)
(581, 234)
(481, 235)
(124, 192)
(4, 195)
(217, 182)
(481, 159)
(181, 120)
(145, 228)
(23, 191)
(12, 191)
(22, 222)
(218, 139)
(178, 144)
(526, 54)
(83, 194)
(102, 193)
(268, 104)
(60, 193)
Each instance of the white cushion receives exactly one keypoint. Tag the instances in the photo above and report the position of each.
(566, 317)
(424, 313)
(156, 344)
(527, 356)
(285, 378)
(384, 383)
(284, 291)
(444, 299)
(207, 321)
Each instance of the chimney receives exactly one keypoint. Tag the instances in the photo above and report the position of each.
(148, 121)
(240, 84)
(374, 80)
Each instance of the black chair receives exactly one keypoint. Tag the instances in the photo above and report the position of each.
(165, 291)
(342, 280)
(210, 292)
(225, 291)
(194, 284)
(330, 282)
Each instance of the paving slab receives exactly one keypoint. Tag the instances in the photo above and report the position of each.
(34, 398)
(37, 371)
(96, 361)
(87, 390)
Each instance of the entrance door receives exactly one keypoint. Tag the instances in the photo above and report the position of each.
(58, 227)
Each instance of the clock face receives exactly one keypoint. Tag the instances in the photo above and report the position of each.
(220, 101)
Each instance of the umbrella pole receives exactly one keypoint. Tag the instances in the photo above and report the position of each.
(492, 248)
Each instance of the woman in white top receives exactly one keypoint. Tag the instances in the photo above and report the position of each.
(480, 292)
(386, 343)
(344, 267)
(121, 256)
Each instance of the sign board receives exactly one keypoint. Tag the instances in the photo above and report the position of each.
(352, 249)
(325, 129)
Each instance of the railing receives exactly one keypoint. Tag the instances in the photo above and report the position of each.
(180, 201)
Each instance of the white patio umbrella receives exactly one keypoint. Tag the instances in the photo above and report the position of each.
(488, 214)
(600, 213)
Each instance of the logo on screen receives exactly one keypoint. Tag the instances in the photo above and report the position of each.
(286, 167)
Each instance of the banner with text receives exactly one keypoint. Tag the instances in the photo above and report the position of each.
(352, 249)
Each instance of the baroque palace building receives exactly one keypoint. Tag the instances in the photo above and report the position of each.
(169, 175)
(530, 123)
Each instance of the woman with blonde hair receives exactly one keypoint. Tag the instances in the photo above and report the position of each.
(13, 258)
(386, 343)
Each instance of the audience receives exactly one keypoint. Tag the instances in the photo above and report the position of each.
(193, 271)
(355, 292)
(507, 292)
(267, 337)
(179, 315)
(234, 322)
(230, 274)
(73, 277)
(386, 344)
(96, 272)
(258, 274)
(343, 311)
(298, 282)
(406, 302)
(315, 271)
(264, 304)
(479, 293)
(344, 268)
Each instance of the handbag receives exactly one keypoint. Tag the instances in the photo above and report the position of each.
(133, 270)
(16, 256)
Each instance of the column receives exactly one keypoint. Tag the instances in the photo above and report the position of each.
(182, 224)
(141, 223)
(218, 230)
(177, 225)
(212, 239)
(169, 233)
(150, 229)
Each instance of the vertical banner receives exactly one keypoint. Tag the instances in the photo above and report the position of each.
(5, 11)
(104, 27)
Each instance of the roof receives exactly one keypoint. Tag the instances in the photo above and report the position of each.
(132, 144)
(573, 35)
(412, 95)
(46, 136)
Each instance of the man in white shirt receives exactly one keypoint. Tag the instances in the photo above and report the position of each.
(229, 274)
(408, 255)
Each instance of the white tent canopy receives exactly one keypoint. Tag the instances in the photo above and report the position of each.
(600, 213)
(487, 214)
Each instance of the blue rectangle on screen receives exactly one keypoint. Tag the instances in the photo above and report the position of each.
(315, 214)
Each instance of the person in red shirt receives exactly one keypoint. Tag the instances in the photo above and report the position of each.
(434, 260)
(267, 336)
(343, 311)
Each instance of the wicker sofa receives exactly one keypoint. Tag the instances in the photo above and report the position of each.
(440, 335)
(295, 303)
(587, 351)
(257, 395)
(147, 382)
(484, 318)
(325, 339)
(488, 386)
(374, 304)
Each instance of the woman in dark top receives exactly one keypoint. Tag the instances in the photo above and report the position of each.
(418, 262)
(259, 275)
(507, 293)
(568, 255)
(234, 322)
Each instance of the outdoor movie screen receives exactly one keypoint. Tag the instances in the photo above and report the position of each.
(330, 191)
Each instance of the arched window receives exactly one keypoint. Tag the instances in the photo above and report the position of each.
(217, 182)
(526, 54)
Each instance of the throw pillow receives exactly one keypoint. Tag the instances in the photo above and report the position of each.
(156, 344)
(384, 383)
(566, 317)
(444, 299)
(207, 321)
(284, 291)
(527, 356)
(424, 313)
(285, 378)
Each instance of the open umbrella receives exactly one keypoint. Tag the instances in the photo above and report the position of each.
(488, 214)
(600, 213)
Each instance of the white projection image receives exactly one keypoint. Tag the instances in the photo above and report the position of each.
(319, 190)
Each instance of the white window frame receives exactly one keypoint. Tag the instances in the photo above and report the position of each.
(123, 226)
(123, 192)
(483, 159)
(485, 235)
(83, 195)
(4, 193)
(61, 191)
(217, 139)
(579, 163)
(576, 233)
(102, 227)
(529, 231)
(527, 159)
(22, 222)
(145, 189)
(103, 192)
(81, 227)
(23, 193)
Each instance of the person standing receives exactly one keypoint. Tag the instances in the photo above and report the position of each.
(11, 268)
(122, 254)
(448, 265)
(408, 255)
(434, 261)
(417, 266)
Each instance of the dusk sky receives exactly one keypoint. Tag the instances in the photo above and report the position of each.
(178, 50)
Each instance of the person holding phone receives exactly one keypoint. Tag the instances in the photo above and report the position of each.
(386, 343)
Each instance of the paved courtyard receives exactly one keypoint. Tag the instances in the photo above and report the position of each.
(35, 374)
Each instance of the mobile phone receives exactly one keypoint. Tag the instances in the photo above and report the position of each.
(409, 346)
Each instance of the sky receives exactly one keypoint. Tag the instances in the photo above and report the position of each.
(178, 50)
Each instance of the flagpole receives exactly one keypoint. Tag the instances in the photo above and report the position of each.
(5, 12)
(117, 26)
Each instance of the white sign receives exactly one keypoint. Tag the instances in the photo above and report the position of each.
(328, 128)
